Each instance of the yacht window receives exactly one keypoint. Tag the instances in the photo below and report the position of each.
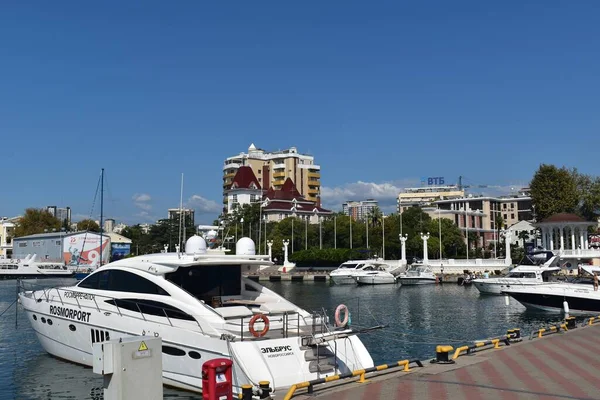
(349, 266)
(206, 282)
(150, 307)
(121, 281)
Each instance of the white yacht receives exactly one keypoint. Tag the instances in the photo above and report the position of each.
(417, 274)
(376, 274)
(202, 307)
(533, 270)
(580, 298)
(30, 268)
(345, 273)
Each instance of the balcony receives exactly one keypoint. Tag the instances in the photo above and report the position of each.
(279, 174)
(279, 166)
(314, 174)
(313, 192)
(278, 182)
(231, 166)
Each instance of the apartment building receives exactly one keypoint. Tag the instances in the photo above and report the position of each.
(62, 213)
(273, 168)
(481, 215)
(425, 196)
(188, 215)
(359, 210)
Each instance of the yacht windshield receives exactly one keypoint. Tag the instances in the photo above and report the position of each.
(349, 266)
(208, 282)
(536, 258)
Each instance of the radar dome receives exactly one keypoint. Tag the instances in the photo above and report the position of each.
(195, 245)
(211, 234)
(245, 246)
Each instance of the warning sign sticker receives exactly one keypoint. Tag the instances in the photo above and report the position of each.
(143, 346)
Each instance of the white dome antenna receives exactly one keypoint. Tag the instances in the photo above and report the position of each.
(245, 246)
(195, 245)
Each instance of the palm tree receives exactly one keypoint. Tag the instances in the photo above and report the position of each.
(374, 216)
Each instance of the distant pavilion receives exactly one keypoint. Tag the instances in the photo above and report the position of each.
(565, 232)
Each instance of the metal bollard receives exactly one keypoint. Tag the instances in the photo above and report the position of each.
(246, 392)
(514, 335)
(571, 323)
(265, 389)
(442, 355)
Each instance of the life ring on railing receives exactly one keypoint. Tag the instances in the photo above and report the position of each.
(264, 320)
(17, 261)
(338, 311)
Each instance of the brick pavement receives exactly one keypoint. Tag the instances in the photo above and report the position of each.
(559, 366)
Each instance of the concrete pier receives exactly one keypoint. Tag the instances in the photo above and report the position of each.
(561, 365)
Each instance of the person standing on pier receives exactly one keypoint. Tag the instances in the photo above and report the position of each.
(595, 281)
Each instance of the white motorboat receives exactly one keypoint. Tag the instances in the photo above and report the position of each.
(533, 270)
(417, 274)
(374, 275)
(344, 274)
(580, 298)
(202, 307)
(30, 268)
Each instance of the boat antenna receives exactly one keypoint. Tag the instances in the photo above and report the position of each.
(101, 213)
(180, 211)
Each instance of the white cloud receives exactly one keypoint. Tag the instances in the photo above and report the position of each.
(385, 193)
(203, 205)
(141, 197)
(142, 201)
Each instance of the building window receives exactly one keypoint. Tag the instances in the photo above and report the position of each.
(234, 198)
(22, 244)
(505, 217)
(512, 216)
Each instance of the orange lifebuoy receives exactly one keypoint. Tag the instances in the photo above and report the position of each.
(338, 311)
(264, 320)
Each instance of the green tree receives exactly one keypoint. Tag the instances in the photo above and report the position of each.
(88, 225)
(36, 221)
(588, 189)
(554, 190)
(140, 241)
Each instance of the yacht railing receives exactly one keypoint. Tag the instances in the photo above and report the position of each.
(318, 322)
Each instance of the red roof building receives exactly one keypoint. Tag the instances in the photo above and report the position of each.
(288, 202)
(244, 189)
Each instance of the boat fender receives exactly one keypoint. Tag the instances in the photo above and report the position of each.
(338, 311)
(566, 307)
(264, 320)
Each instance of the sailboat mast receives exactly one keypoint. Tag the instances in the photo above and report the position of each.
(180, 209)
(101, 212)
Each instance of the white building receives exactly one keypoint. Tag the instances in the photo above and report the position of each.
(7, 229)
(522, 232)
(244, 189)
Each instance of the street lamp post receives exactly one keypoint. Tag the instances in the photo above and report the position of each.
(320, 232)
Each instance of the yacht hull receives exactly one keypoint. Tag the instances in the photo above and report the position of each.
(342, 279)
(416, 281)
(375, 280)
(68, 330)
(554, 303)
(35, 275)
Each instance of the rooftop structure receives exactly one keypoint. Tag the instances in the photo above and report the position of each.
(271, 169)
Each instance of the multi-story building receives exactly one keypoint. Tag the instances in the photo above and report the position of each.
(482, 216)
(188, 215)
(244, 189)
(63, 214)
(426, 195)
(7, 230)
(359, 210)
(273, 168)
(288, 202)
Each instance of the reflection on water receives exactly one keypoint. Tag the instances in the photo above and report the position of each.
(417, 318)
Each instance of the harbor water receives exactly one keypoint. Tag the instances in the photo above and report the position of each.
(416, 319)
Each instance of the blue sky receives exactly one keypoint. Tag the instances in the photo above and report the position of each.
(381, 93)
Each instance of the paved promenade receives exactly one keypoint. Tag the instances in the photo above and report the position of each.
(559, 366)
